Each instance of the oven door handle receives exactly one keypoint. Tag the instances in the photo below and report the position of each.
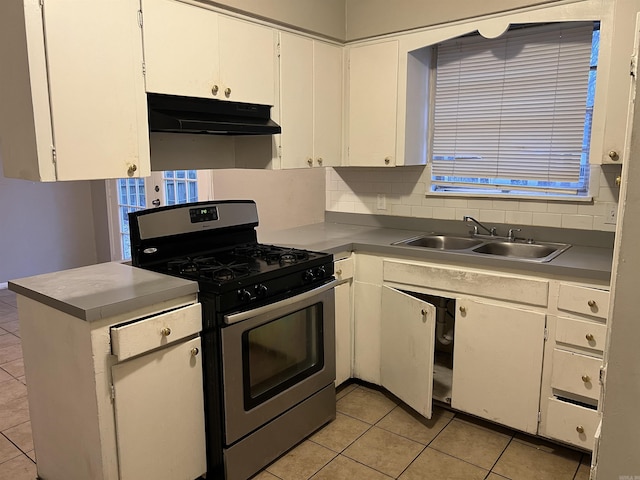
(238, 317)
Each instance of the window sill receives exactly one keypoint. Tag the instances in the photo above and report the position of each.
(506, 196)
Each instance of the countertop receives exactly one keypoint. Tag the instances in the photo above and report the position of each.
(578, 262)
(103, 290)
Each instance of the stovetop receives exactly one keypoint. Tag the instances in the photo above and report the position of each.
(215, 244)
(253, 262)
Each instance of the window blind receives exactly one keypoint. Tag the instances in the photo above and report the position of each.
(511, 110)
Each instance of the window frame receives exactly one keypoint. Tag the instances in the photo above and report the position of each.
(492, 191)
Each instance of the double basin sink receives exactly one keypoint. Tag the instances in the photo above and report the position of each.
(499, 247)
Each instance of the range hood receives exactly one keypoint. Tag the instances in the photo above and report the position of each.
(177, 114)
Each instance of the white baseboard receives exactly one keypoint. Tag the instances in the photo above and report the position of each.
(4, 285)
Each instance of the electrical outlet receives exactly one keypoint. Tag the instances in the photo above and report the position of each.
(382, 201)
(611, 216)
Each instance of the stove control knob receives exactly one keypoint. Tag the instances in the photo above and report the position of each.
(244, 295)
(320, 272)
(261, 290)
(308, 276)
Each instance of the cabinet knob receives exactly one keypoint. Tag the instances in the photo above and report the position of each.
(195, 351)
(613, 155)
(463, 309)
(387, 160)
(338, 272)
(580, 429)
(589, 337)
(166, 331)
(132, 169)
(227, 92)
(214, 90)
(319, 160)
(592, 303)
(586, 378)
(310, 162)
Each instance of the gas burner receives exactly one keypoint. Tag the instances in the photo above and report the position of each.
(286, 256)
(220, 268)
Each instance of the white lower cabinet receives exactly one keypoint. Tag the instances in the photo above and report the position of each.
(159, 413)
(343, 269)
(497, 363)
(126, 391)
(571, 384)
(407, 337)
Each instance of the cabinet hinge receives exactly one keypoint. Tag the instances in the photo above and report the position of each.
(54, 155)
(546, 334)
(603, 375)
(278, 50)
(41, 2)
(140, 18)
(113, 392)
(539, 417)
(633, 65)
(144, 69)
(280, 151)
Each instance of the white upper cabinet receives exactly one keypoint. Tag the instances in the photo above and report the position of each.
(310, 102)
(193, 51)
(373, 103)
(72, 96)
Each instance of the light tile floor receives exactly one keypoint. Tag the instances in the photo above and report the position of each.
(373, 437)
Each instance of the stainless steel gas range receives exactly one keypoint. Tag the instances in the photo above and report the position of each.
(268, 336)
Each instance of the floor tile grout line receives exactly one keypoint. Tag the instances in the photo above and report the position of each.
(22, 452)
(501, 453)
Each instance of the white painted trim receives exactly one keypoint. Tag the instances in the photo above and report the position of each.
(4, 285)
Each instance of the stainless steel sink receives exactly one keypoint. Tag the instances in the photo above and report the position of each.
(441, 242)
(499, 247)
(530, 251)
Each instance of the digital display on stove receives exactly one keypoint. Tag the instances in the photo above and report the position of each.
(203, 214)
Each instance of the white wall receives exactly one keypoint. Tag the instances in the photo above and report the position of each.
(356, 190)
(324, 17)
(44, 227)
(285, 198)
(368, 18)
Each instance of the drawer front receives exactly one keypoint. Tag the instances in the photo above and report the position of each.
(579, 333)
(501, 287)
(575, 373)
(138, 337)
(344, 268)
(571, 423)
(583, 300)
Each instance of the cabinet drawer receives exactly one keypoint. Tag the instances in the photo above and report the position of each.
(583, 300)
(344, 268)
(507, 288)
(575, 373)
(571, 423)
(579, 333)
(138, 337)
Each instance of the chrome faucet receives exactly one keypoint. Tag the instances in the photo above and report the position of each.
(492, 231)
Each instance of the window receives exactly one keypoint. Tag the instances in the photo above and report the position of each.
(512, 115)
(170, 187)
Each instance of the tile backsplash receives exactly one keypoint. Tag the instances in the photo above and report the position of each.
(401, 191)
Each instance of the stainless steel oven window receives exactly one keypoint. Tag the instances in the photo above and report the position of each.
(280, 353)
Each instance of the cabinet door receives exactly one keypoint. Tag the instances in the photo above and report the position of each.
(497, 363)
(373, 93)
(296, 100)
(407, 349)
(96, 88)
(327, 104)
(180, 48)
(247, 61)
(159, 411)
(343, 332)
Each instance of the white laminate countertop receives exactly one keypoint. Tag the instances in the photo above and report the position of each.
(103, 290)
(578, 262)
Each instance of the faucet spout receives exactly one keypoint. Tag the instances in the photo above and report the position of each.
(491, 231)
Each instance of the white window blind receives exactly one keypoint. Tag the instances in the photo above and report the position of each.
(510, 112)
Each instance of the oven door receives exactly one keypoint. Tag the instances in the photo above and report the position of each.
(275, 357)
